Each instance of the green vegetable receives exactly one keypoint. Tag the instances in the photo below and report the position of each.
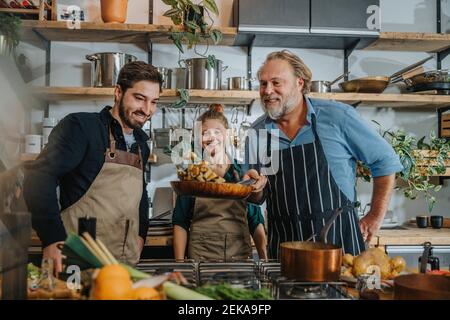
(227, 292)
(33, 271)
(177, 292)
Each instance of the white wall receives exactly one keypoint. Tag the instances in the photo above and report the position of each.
(70, 68)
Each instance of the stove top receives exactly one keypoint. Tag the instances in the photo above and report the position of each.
(248, 274)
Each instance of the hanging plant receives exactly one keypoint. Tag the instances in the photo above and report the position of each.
(191, 26)
(10, 28)
(420, 160)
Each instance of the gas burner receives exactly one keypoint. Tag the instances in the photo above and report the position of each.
(235, 279)
(290, 289)
(300, 291)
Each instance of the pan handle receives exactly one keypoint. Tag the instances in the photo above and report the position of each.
(326, 227)
(410, 67)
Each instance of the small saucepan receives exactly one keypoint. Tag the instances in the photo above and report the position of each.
(312, 261)
(322, 86)
(238, 83)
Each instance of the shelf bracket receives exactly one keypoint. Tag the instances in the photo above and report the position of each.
(347, 52)
(249, 61)
(150, 12)
(149, 49)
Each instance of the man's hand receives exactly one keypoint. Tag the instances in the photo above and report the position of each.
(52, 252)
(370, 224)
(260, 183)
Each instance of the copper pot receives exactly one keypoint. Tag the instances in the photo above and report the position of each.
(422, 287)
(312, 261)
(114, 10)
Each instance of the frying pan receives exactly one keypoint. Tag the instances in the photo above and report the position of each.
(379, 83)
(312, 261)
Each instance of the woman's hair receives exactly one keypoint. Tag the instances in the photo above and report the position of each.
(215, 112)
(298, 66)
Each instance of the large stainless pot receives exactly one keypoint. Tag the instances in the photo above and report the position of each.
(105, 67)
(201, 75)
(166, 74)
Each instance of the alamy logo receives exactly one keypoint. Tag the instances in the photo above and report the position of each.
(373, 21)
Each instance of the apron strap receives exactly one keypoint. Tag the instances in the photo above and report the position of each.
(111, 152)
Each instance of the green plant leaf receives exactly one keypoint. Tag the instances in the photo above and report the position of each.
(191, 25)
(172, 12)
(177, 38)
(216, 36)
(211, 6)
(172, 3)
(422, 145)
(211, 61)
(431, 202)
(184, 94)
(437, 188)
(196, 8)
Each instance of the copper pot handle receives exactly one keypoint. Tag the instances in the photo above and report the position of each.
(326, 227)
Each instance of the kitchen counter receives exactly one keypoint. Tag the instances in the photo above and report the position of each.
(411, 235)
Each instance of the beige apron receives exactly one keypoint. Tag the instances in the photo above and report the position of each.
(219, 230)
(113, 199)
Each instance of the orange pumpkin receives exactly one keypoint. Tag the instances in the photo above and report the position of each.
(146, 294)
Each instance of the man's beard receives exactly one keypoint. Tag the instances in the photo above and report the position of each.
(125, 119)
(276, 114)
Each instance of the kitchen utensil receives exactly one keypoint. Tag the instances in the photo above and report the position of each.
(211, 189)
(325, 86)
(377, 84)
(421, 287)
(238, 83)
(202, 75)
(105, 67)
(247, 182)
(162, 137)
(319, 261)
(178, 78)
(422, 221)
(436, 221)
(166, 74)
(365, 85)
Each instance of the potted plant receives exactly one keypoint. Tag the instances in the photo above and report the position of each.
(420, 161)
(191, 26)
(9, 33)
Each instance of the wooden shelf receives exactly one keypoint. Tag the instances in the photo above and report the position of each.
(110, 32)
(236, 97)
(387, 99)
(228, 97)
(409, 41)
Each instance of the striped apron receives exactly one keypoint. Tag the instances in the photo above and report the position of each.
(303, 196)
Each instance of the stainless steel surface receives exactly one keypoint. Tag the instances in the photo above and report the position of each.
(201, 75)
(105, 67)
(246, 274)
(161, 137)
(434, 76)
(325, 86)
(178, 78)
(166, 74)
(5, 46)
(238, 83)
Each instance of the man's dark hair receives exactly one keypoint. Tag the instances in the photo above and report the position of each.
(136, 71)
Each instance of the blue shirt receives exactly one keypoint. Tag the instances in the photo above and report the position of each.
(345, 138)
